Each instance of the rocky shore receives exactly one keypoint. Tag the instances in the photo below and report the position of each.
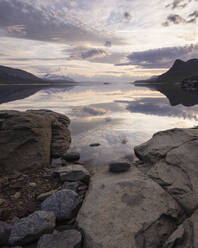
(49, 199)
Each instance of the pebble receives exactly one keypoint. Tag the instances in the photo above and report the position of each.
(17, 195)
(32, 184)
(2, 201)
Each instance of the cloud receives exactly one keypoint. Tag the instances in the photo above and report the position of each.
(108, 43)
(178, 18)
(180, 3)
(17, 29)
(22, 19)
(159, 107)
(193, 16)
(127, 16)
(96, 55)
(85, 53)
(162, 57)
(173, 19)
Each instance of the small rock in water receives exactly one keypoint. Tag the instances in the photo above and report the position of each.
(71, 156)
(119, 167)
(94, 144)
(69, 239)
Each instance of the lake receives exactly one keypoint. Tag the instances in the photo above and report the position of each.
(118, 115)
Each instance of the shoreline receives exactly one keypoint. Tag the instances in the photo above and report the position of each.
(148, 202)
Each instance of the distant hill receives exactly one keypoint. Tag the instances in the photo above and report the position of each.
(177, 73)
(16, 76)
(55, 77)
(9, 76)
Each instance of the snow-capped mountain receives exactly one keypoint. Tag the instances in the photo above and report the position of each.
(55, 77)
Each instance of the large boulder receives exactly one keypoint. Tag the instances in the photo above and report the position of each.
(29, 139)
(31, 228)
(67, 239)
(128, 210)
(65, 204)
(172, 159)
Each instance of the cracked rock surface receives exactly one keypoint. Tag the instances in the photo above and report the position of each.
(154, 205)
(125, 210)
(172, 155)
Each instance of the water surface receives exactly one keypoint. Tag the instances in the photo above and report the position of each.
(118, 115)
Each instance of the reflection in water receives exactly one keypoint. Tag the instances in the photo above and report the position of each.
(160, 107)
(177, 95)
(118, 116)
(18, 92)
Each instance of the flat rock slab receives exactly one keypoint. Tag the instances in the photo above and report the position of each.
(67, 239)
(29, 229)
(172, 155)
(72, 173)
(65, 204)
(126, 210)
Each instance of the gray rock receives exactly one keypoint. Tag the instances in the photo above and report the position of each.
(71, 185)
(162, 142)
(32, 227)
(67, 239)
(185, 235)
(4, 233)
(64, 203)
(172, 155)
(124, 211)
(71, 156)
(73, 172)
(29, 139)
(119, 167)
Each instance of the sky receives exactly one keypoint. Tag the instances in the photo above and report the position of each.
(100, 40)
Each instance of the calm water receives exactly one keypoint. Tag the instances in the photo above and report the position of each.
(118, 116)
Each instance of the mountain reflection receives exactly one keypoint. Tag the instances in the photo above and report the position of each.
(160, 107)
(11, 93)
(177, 95)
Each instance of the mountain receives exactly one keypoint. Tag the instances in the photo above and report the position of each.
(55, 77)
(11, 76)
(180, 71)
(15, 76)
